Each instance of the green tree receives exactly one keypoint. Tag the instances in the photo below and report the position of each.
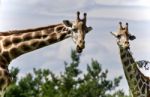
(71, 83)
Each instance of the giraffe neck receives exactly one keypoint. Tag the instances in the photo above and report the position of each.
(16, 43)
(138, 85)
(5, 79)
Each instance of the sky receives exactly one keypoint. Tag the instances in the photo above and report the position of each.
(103, 16)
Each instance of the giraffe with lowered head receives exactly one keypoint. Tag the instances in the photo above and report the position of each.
(139, 84)
(18, 42)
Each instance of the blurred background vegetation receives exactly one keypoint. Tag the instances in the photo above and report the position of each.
(71, 83)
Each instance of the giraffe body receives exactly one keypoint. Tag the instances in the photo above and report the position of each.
(18, 42)
(138, 83)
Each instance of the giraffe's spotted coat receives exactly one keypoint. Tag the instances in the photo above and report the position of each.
(17, 42)
(138, 83)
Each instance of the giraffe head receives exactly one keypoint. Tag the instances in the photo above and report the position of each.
(78, 31)
(123, 36)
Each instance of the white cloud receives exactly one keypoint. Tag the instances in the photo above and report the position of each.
(121, 13)
(17, 10)
(143, 3)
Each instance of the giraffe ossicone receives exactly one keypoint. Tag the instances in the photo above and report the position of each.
(17, 42)
(139, 84)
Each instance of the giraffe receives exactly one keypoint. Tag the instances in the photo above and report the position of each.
(139, 84)
(17, 42)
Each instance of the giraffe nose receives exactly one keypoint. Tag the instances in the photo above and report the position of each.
(79, 50)
(126, 42)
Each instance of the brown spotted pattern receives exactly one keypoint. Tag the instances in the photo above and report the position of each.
(17, 42)
(138, 83)
(12, 45)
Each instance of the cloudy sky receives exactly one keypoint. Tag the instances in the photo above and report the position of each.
(103, 16)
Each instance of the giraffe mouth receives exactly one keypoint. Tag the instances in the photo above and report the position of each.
(79, 50)
(127, 48)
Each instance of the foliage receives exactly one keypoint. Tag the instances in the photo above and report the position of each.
(72, 83)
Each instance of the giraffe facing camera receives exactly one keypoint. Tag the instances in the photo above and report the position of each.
(139, 84)
(123, 36)
(78, 30)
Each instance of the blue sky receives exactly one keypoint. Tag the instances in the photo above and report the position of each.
(103, 16)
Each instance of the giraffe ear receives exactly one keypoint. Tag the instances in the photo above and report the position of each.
(89, 29)
(67, 23)
(132, 37)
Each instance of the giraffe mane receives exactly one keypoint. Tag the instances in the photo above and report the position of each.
(27, 30)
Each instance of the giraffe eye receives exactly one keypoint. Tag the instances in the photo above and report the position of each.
(118, 36)
(74, 29)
